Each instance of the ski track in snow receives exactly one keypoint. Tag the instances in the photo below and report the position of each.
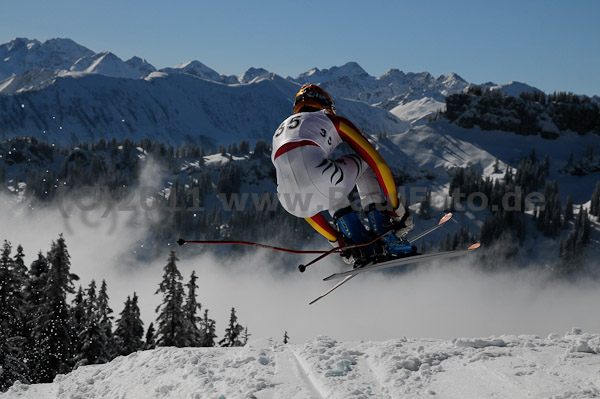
(558, 367)
(304, 374)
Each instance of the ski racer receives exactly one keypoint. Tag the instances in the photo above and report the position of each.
(309, 182)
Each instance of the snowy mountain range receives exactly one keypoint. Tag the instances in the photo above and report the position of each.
(62, 92)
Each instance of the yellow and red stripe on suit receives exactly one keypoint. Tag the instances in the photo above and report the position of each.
(359, 143)
(320, 223)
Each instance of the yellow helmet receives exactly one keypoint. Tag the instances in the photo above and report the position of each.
(314, 97)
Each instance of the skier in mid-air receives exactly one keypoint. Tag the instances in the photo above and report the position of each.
(308, 182)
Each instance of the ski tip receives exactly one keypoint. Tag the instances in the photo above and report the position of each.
(446, 217)
(181, 241)
(475, 246)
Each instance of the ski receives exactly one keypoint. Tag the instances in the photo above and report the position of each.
(403, 261)
(422, 234)
(384, 265)
(334, 288)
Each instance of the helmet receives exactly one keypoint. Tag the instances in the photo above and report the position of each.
(315, 97)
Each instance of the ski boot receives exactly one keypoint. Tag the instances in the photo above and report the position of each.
(354, 232)
(379, 223)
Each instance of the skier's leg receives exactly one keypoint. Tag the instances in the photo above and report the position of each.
(323, 227)
(368, 187)
(380, 218)
(354, 231)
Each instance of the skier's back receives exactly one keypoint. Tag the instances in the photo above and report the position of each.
(308, 182)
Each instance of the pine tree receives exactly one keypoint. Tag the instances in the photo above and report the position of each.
(105, 319)
(570, 162)
(171, 318)
(595, 203)
(123, 331)
(568, 210)
(423, 247)
(19, 268)
(208, 328)
(448, 243)
(533, 156)
(585, 227)
(2, 175)
(12, 366)
(130, 330)
(77, 313)
(21, 279)
(11, 297)
(233, 333)
(191, 309)
(496, 166)
(245, 147)
(34, 298)
(92, 337)
(52, 331)
(245, 337)
(150, 343)
(577, 239)
(425, 206)
(561, 248)
(12, 321)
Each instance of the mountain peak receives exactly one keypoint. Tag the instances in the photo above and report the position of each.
(21, 55)
(392, 74)
(20, 43)
(195, 68)
(316, 75)
(252, 73)
(106, 63)
(452, 81)
(141, 65)
(512, 88)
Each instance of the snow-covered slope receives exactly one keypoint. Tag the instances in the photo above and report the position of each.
(511, 88)
(91, 95)
(21, 55)
(30, 66)
(141, 65)
(410, 96)
(557, 366)
(418, 112)
(24, 56)
(430, 151)
(106, 63)
(172, 108)
(33, 79)
(316, 75)
(195, 68)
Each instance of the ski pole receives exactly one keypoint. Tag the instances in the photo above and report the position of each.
(181, 241)
(302, 268)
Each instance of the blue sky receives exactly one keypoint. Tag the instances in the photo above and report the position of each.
(552, 45)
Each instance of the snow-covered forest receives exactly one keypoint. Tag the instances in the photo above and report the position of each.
(49, 327)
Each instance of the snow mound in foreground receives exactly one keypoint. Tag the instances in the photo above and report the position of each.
(558, 366)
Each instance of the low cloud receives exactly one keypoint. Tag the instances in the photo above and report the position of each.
(443, 300)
